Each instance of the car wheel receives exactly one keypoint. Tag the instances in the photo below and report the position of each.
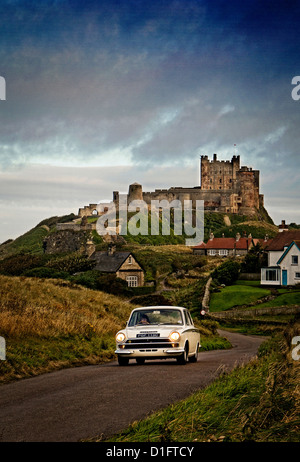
(140, 360)
(182, 359)
(123, 361)
(194, 358)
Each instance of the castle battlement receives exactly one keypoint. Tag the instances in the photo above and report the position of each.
(225, 187)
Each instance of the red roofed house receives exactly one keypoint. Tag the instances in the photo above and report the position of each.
(224, 246)
(283, 260)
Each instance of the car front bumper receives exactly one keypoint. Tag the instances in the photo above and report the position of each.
(150, 352)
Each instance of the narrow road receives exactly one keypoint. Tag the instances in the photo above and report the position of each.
(79, 403)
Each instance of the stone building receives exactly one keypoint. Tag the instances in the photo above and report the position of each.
(123, 264)
(225, 187)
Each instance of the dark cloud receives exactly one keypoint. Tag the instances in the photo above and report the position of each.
(149, 83)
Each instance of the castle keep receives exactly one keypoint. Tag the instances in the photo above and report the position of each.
(225, 187)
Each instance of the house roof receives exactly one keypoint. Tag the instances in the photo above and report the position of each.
(297, 243)
(263, 242)
(227, 243)
(283, 239)
(109, 263)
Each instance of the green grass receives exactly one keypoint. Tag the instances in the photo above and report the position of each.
(236, 295)
(30, 242)
(288, 298)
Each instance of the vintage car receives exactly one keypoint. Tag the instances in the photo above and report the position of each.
(158, 332)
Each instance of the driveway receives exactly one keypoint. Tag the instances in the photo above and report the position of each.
(90, 401)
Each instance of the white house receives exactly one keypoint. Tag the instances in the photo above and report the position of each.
(283, 260)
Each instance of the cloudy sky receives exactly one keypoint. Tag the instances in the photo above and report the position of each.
(100, 94)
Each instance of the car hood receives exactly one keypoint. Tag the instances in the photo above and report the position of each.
(164, 331)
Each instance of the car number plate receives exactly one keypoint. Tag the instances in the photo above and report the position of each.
(147, 335)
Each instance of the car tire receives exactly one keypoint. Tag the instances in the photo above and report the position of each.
(123, 361)
(140, 361)
(183, 358)
(194, 358)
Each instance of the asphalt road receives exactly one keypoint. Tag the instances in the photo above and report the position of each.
(80, 403)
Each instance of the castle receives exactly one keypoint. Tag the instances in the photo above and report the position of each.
(225, 187)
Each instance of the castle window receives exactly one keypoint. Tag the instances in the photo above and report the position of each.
(220, 180)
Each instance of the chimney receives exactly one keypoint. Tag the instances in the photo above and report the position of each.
(283, 226)
(237, 236)
(211, 236)
(111, 249)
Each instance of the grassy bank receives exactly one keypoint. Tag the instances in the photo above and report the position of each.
(244, 293)
(50, 324)
(257, 402)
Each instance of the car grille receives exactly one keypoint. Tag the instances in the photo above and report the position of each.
(146, 343)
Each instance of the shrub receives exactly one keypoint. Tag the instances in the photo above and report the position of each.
(227, 273)
(16, 265)
(72, 263)
(44, 272)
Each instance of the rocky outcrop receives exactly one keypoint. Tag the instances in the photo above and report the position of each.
(67, 241)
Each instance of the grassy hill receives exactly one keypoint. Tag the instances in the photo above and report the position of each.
(51, 324)
(31, 242)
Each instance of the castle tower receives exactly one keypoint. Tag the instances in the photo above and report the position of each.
(219, 175)
(135, 192)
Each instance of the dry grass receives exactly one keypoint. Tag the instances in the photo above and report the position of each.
(52, 324)
(49, 308)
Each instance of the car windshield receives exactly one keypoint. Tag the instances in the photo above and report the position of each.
(155, 316)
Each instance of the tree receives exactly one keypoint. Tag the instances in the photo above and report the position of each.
(227, 273)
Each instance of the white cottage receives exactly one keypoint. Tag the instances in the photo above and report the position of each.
(283, 260)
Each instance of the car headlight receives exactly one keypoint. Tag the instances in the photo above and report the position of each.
(120, 337)
(174, 336)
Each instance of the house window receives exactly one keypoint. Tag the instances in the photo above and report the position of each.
(130, 260)
(294, 259)
(297, 275)
(132, 281)
(211, 252)
(223, 252)
(271, 275)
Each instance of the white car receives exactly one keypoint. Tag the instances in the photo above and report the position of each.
(158, 332)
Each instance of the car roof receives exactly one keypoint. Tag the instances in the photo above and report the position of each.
(159, 307)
